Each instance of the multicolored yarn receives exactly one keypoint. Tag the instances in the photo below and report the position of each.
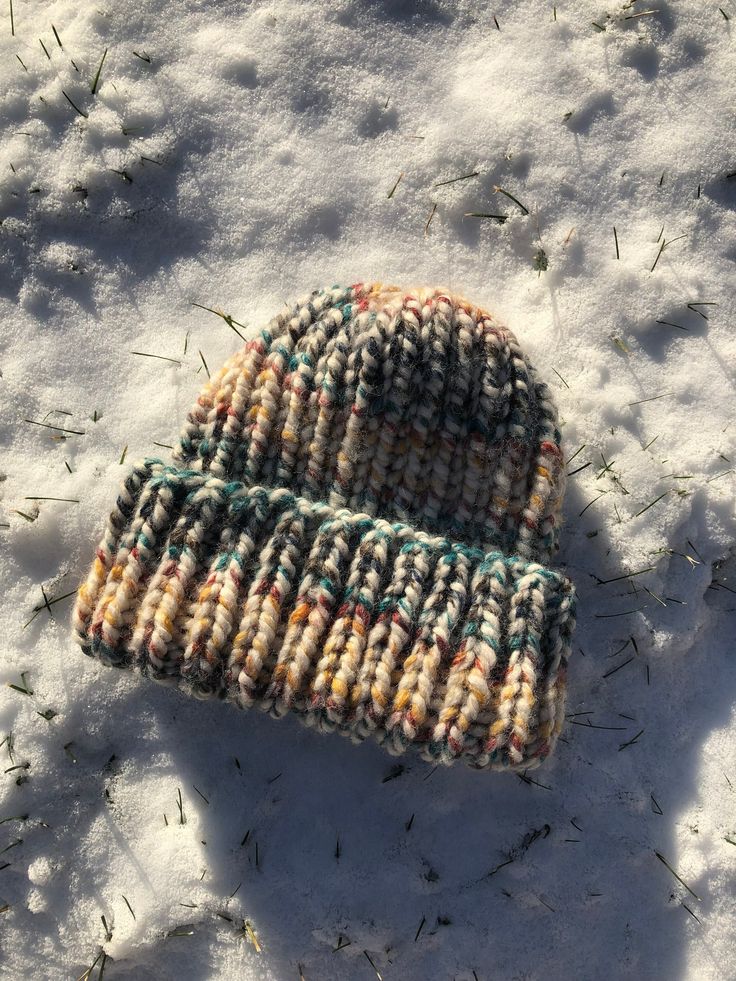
(357, 529)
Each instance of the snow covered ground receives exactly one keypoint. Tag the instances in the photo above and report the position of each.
(236, 155)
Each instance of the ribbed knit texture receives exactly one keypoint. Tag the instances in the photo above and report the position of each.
(357, 528)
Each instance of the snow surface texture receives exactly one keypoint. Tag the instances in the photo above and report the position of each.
(237, 155)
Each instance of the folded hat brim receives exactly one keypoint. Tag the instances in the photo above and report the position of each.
(354, 623)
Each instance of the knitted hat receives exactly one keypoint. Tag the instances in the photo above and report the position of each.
(357, 528)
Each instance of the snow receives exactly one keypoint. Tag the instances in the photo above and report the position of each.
(243, 155)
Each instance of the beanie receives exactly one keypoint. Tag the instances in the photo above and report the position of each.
(357, 528)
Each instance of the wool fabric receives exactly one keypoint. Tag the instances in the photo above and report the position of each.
(357, 527)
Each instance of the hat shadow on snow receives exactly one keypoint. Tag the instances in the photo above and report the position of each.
(314, 839)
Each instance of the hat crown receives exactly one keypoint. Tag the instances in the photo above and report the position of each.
(414, 406)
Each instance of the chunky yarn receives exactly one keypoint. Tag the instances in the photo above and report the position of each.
(357, 528)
